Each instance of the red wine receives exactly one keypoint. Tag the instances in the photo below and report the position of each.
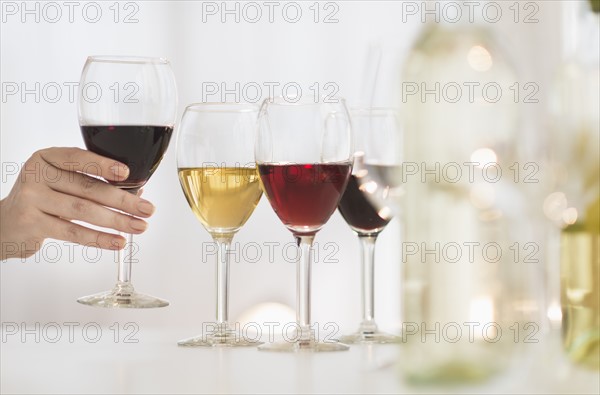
(139, 147)
(304, 195)
(358, 211)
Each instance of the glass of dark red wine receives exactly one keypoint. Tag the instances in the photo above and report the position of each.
(127, 109)
(367, 205)
(304, 154)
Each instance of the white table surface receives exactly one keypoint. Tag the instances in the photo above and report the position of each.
(156, 365)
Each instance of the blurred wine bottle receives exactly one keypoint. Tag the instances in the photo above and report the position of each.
(469, 284)
(575, 113)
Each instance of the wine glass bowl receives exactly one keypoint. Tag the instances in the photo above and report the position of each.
(141, 147)
(127, 108)
(369, 203)
(303, 152)
(218, 175)
(304, 196)
(378, 163)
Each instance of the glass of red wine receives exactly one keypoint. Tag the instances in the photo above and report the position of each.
(127, 109)
(304, 155)
(367, 204)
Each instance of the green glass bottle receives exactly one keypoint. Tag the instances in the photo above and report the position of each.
(463, 304)
(575, 109)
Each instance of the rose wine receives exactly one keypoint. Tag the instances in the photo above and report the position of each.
(358, 211)
(141, 148)
(222, 198)
(304, 195)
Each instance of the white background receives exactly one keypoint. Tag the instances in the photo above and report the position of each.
(172, 265)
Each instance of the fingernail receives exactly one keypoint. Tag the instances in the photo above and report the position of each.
(120, 170)
(116, 243)
(146, 207)
(138, 224)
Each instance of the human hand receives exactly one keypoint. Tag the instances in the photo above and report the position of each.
(52, 191)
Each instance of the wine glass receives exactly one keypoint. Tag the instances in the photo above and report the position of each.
(304, 156)
(217, 172)
(366, 204)
(127, 108)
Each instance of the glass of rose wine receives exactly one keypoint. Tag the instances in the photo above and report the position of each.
(127, 108)
(304, 155)
(218, 175)
(367, 204)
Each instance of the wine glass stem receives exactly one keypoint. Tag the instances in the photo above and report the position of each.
(303, 286)
(125, 260)
(367, 246)
(222, 274)
(125, 257)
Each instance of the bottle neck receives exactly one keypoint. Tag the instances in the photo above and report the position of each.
(581, 32)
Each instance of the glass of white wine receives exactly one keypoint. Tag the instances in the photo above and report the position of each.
(215, 163)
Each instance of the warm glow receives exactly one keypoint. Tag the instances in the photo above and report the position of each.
(554, 313)
(267, 313)
(369, 187)
(385, 213)
(360, 173)
(490, 215)
(359, 160)
(577, 295)
(479, 58)
(554, 205)
(482, 310)
(570, 216)
(484, 156)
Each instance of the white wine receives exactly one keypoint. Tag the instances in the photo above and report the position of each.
(580, 296)
(222, 198)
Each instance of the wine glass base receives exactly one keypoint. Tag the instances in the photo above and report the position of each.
(304, 346)
(370, 338)
(229, 339)
(123, 297)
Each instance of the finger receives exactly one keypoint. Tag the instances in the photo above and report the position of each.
(75, 208)
(76, 159)
(60, 229)
(98, 191)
